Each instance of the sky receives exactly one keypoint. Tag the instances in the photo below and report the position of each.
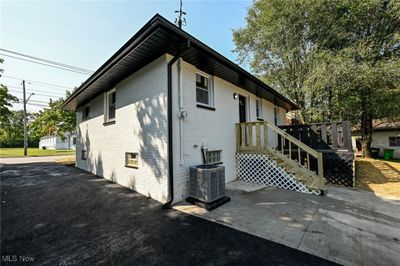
(86, 33)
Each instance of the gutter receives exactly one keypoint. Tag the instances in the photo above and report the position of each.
(167, 205)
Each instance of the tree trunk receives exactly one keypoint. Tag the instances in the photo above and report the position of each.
(366, 134)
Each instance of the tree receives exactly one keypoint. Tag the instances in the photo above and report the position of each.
(12, 130)
(348, 67)
(6, 100)
(53, 120)
(275, 43)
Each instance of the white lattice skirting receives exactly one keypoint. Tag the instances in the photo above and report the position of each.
(258, 168)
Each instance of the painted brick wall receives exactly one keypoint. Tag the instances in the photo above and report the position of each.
(381, 139)
(141, 126)
(214, 128)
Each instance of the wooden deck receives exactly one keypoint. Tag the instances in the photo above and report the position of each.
(333, 140)
(323, 149)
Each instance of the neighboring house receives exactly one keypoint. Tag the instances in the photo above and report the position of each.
(386, 135)
(145, 114)
(56, 143)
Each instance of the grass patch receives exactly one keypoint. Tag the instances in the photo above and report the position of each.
(32, 152)
(378, 176)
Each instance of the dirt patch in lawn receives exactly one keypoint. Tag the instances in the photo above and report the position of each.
(68, 161)
(378, 176)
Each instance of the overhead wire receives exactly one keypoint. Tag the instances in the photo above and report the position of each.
(45, 64)
(38, 82)
(34, 91)
(48, 61)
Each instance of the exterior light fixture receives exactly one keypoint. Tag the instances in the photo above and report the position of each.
(235, 96)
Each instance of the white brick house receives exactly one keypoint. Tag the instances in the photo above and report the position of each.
(57, 143)
(143, 116)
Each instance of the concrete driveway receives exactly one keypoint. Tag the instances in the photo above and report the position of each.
(58, 215)
(347, 226)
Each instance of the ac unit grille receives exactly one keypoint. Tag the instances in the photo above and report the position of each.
(207, 184)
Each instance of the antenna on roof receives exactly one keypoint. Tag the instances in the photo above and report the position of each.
(180, 20)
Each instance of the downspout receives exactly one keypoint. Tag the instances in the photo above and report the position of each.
(167, 205)
(180, 97)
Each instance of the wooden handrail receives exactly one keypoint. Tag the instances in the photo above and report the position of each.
(245, 143)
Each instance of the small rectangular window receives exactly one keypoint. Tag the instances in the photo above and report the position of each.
(110, 105)
(74, 140)
(394, 141)
(214, 157)
(259, 109)
(83, 155)
(86, 112)
(203, 90)
(132, 159)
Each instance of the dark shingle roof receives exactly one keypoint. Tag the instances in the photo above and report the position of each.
(155, 38)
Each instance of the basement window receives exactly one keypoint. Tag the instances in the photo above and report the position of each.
(83, 155)
(132, 159)
(214, 157)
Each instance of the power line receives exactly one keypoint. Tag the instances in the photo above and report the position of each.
(44, 64)
(37, 92)
(37, 104)
(48, 61)
(39, 82)
(35, 101)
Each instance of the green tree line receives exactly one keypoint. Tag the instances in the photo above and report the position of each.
(52, 120)
(337, 59)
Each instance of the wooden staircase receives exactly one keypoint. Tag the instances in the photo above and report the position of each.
(289, 153)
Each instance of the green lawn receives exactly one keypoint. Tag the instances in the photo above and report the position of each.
(19, 152)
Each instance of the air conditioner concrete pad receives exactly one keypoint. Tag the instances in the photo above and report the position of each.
(210, 205)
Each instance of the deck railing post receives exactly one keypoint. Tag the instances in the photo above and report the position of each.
(243, 135)
(258, 137)
(250, 126)
(237, 137)
(320, 165)
(347, 135)
(265, 135)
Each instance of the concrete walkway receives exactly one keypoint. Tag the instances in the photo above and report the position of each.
(39, 159)
(347, 226)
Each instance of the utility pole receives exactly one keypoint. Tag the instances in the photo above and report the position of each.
(25, 122)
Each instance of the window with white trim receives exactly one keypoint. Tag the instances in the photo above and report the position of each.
(110, 107)
(394, 141)
(214, 157)
(259, 114)
(86, 112)
(203, 90)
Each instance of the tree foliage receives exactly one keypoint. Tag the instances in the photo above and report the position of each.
(6, 100)
(336, 59)
(12, 130)
(53, 120)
